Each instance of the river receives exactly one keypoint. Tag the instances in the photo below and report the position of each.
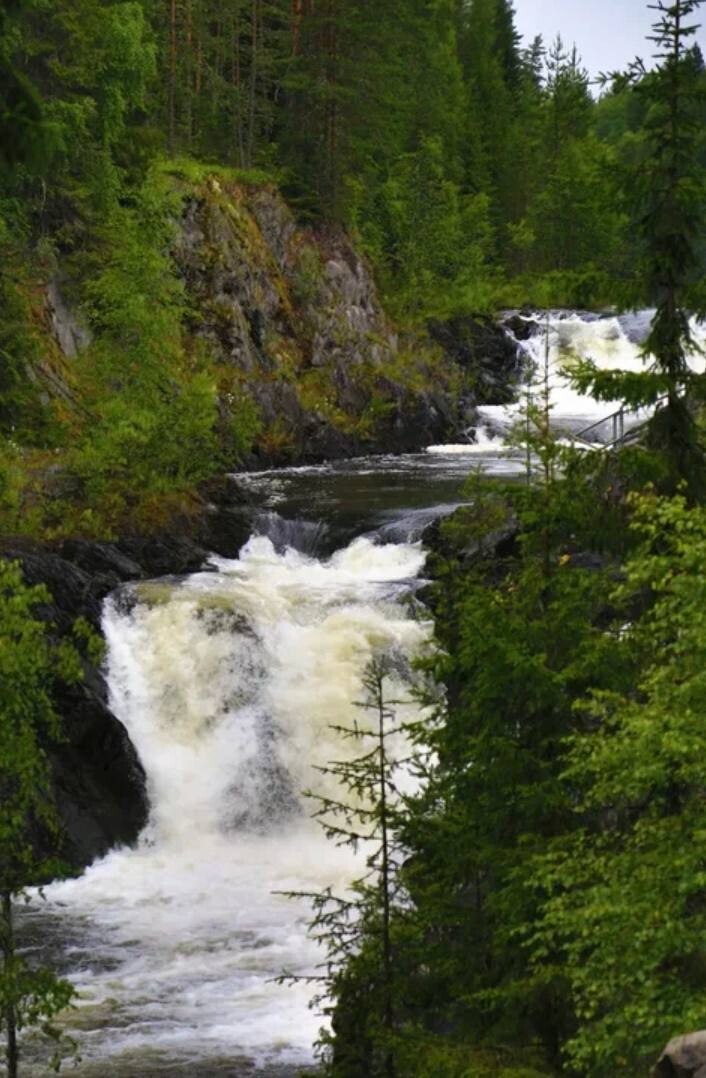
(228, 682)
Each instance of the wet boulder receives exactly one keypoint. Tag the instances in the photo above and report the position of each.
(99, 782)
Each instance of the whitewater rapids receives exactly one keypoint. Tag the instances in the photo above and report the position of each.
(228, 683)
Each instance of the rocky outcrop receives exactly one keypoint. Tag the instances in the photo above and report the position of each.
(99, 783)
(69, 331)
(684, 1057)
(293, 316)
(485, 352)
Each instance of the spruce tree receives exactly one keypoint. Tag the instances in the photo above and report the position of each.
(359, 982)
(665, 189)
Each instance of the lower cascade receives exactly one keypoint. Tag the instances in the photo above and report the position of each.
(228, 683)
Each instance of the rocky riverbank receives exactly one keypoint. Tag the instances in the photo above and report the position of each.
(99, 781)
(293, 318)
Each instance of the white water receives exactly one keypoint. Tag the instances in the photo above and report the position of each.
(612, 343)
(228, 684)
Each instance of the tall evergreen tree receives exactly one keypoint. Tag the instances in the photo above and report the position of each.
(666, 191)
(360, 980)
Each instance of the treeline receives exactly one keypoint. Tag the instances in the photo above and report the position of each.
(475, 171)
(462, 157)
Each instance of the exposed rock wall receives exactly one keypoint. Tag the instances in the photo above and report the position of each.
(294, 319)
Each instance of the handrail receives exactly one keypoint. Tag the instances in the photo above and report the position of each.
(620, 435)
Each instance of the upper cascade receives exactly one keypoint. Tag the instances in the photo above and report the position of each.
(558, 340)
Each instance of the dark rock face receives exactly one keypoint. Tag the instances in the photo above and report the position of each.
(99, 782)
(293, 316)
(684, 1057)
(485, 352)
(98, 779)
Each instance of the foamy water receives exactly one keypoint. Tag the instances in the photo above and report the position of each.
(611, 343)
(228, 685)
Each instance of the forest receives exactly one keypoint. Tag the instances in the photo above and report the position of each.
(473, 171)
(536, 906)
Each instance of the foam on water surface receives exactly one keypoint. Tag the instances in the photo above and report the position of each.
(228, 686)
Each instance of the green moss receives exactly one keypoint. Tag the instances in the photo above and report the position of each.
(194, 172)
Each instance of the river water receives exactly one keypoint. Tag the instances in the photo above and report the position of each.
(228, 682)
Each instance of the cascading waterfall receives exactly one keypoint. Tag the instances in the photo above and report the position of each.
(612, 343)
(228, 683)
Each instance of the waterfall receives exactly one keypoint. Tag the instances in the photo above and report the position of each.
(611, 342)
(228, 683)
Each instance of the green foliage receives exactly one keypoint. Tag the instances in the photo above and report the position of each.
(30, 664)
(145, 433)
(438, 240)
(626, 891)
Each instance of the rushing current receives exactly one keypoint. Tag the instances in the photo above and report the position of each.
(229, 682)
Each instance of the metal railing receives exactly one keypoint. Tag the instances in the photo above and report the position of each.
(619, 435)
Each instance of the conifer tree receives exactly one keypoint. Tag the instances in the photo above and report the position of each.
(666, 191)
(359, 983)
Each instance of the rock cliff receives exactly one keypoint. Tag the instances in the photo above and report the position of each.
(293, 316)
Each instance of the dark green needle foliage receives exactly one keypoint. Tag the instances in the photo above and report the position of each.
(666, 190)
(361, 930)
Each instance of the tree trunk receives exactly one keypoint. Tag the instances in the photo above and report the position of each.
(188, 77)
(254, 75)
(10, 1016)
(385, 883)
(171, 106)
